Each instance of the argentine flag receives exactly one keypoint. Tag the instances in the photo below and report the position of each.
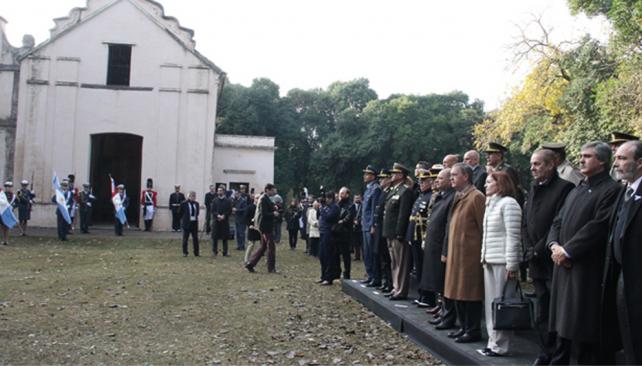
(118, 203)
(6, 212)
(61, 201)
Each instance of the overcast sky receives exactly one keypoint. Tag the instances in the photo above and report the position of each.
(403, 46)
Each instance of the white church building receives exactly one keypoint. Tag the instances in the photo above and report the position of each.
(119, 88)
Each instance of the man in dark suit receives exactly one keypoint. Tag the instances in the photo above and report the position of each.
(209, 197)
(545, 199)
(472, 159)
(221, 209)
(577, 241)
(175, 200)
(395, 224)
(189, 222)
(622, 294)
(264, 221)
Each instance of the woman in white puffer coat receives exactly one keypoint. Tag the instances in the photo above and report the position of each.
(501, 251)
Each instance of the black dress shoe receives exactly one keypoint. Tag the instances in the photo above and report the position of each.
(326, 283)
(374, 284)
(456, 333)
(436, 321)
(387, 289)
(468, 338)
(249, 268)
(444, 326)
(488, 352)
(397, 298)
(387, 294)
(433, 310)
(365, 282)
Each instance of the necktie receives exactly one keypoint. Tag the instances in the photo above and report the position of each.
(628, 194)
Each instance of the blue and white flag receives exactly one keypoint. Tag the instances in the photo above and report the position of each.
(6, 211)
(118, 207)
(61, 200)
(118, 202)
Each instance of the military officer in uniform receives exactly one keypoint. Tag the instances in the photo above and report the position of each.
(85, 202)
(11, 199)
(118, 226)
(417, 230)
(495, 157)
(24, 200)
(149, 201)
(71, 178)
(565, 169)
(619, 138)
(382, 255)
(63, 226)
(175, 200)
(396, 216)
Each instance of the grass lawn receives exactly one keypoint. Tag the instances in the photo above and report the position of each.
(103, 300)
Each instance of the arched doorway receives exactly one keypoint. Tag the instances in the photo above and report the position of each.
(118, 154)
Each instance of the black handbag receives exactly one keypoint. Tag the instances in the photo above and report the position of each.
(514, 313)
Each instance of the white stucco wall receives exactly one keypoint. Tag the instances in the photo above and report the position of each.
(244, 159)
(58, 112)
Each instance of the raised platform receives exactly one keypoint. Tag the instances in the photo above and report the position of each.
(407, 318)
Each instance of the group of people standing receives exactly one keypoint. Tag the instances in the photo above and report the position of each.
(465, 231)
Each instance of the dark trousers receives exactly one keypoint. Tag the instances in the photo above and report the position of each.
(292, 237)
(417, 258)
(428, 297)
(84, 220)
(148, 225)
(240, 235)
(342, 243)
(447, 312)
(277, 232)
(543, 299)
(587, 353)
(62, 226)
(384, 258)
(327, 250)
(469, 314)
(215, 247)
(192, 229)
(631, 352)
(357, 244)
(267, 245)
(176, 219)
(369, 253)
(314, 246)
(118, 228)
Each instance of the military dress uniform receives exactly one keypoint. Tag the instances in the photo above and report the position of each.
(565, 170)
(417, 232)
(381, 254)
(395, 224)
(85, 202)
(148, 199)
(494, 147)
(24, 201)
(62, 225)
(175, 200)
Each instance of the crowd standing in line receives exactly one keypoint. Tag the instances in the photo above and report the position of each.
(461, 230)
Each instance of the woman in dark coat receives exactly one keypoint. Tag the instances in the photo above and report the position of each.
(292, 215)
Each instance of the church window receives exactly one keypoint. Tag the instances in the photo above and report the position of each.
(119, 64)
